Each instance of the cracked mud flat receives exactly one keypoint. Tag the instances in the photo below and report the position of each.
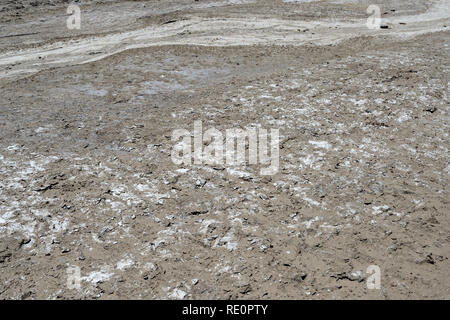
(86, 176)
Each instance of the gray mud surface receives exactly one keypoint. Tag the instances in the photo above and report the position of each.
(87, 180)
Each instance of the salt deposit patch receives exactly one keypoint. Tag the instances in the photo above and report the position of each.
(98, 276)
(320, 144)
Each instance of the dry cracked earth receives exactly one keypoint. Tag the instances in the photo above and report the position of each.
(87, 180)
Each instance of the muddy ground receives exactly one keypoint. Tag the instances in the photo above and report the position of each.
(87, 179)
